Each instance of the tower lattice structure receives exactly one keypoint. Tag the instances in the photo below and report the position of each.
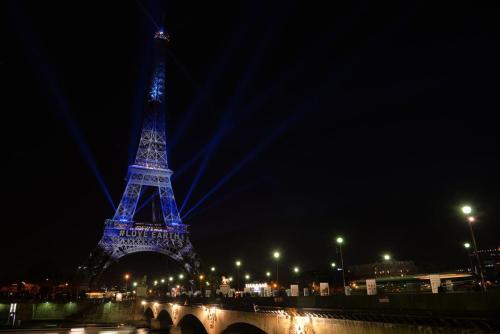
(122, 234)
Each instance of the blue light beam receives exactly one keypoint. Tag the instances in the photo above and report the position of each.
(208, 86)
(224, 124)
(280, 130)
(35, 55)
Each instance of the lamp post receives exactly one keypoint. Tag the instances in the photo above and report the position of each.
(334, 267)
(467, 210)
(126, 276)
(276, 256)
(201, 277)
(238, 265)
(467, 247)
(296, 271)
(340, 241)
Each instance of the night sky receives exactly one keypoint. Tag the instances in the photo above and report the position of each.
(369, 120)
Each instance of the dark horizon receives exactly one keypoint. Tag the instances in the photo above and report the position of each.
(369, 121)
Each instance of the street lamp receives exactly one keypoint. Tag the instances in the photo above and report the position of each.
(276, 256)
(247, 277)
(163, 280)
(170, 279)
(181, 276)
(467, 247)
(333, 265)
(155, 283)
(466, 209)
(387, 257)
(212, 269)
(296, 271)
(126, 276)
(238, 265)
(340, 241)
(268, 274)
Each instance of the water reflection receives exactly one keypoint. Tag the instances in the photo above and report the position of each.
(96, 330)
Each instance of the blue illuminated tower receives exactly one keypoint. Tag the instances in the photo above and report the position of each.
(122, 235)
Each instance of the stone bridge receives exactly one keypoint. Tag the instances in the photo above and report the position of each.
(228, 319)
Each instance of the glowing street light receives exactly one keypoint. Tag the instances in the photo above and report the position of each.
(134, 284)
(230, 278)
(247, 277)
(268, 273)
(466, 245)
(155, 283)
(202, 277)
(163, 280)
(333, 264)
(181, 276)
(296, 270)
(340, 242)
(212, 269)
(170, 279)
(387, 257)
(466, 209)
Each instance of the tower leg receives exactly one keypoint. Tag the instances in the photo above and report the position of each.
(127, 206)
(168, 206)
(90, 272)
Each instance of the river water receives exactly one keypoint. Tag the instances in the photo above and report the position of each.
(91, 330)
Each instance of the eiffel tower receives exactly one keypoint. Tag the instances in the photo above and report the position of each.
(122, 235)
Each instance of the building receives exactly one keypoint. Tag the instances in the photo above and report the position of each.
(490, 261)
(389, 268)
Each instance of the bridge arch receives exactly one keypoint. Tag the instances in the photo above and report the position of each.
(190, 324)
(242, 328)
(164, 319)
(148, 313)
